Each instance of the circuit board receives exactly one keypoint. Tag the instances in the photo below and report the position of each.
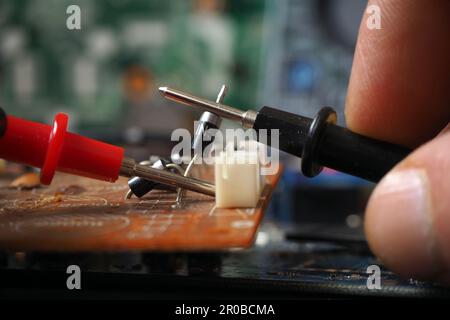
(46, 68)
(79, 214)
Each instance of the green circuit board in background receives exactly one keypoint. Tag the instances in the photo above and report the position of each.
(195, 45)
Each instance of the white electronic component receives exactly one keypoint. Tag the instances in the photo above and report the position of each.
(237, 179)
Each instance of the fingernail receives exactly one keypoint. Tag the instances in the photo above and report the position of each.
(399, 223)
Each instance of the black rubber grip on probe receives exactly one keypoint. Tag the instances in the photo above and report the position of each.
(319, 142)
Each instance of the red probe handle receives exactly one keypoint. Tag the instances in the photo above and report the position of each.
(54, 149)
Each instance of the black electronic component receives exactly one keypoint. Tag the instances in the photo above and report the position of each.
(207, 121)
(2, 122)
(140, 186)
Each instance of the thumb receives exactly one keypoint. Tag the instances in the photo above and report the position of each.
(408, 215)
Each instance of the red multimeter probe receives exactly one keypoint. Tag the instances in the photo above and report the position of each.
(52, 149)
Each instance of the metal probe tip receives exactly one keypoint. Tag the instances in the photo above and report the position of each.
(247, 118)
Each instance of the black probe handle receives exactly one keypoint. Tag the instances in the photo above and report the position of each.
(319, 142)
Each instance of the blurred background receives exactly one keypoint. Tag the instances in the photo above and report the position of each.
(291, 54)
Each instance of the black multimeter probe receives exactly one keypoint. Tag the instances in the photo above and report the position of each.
(319, 141)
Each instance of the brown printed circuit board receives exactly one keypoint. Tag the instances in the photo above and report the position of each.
(79, 214)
